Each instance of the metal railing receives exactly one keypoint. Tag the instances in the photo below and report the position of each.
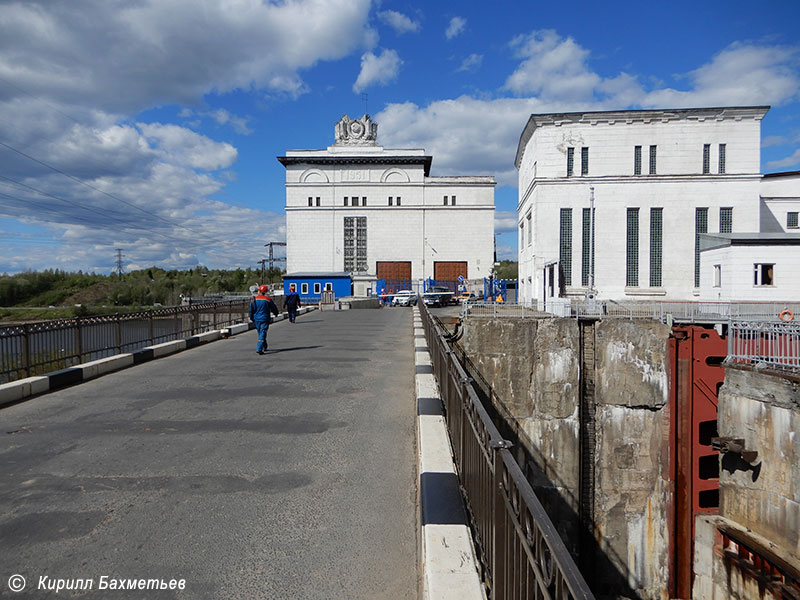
(519, 548)
(771, 344)
(38, 347)
(661, 311)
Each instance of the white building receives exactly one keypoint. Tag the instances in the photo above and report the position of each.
(363, 209)
(658, 178)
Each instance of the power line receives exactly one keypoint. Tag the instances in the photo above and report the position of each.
(117, 198)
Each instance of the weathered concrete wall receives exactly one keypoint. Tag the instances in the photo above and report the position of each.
(759, 501)
(632, 488)
(764, 410)
(534, 365)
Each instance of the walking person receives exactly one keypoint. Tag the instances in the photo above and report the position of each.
(260, 308)
(291, 303)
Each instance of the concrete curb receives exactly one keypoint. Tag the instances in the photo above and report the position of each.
(15, 391)
(449, 566)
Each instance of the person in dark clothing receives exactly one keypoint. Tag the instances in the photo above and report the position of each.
(260, 308)
(291, 303)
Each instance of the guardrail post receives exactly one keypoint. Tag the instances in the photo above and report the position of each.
(79, 338)
(118, 333)
(499, 528)
(26, 349)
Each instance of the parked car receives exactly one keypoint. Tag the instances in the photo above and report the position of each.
(405, 298)
(466, 297)
(437, 295)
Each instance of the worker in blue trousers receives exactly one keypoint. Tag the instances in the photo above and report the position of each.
(291, 303)
(260, 308)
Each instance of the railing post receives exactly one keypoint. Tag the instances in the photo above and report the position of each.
(499, 529)
(118, 333)
(79, 338)
(26, 349)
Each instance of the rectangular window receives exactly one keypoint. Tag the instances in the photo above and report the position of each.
(345, 200)
(587, 250)
(530, 230)
(637, 160)
(700, 226)
(317, 288)
(521, 234)
(390, 200)
(570, 160)
(310, 201)
(398, 201)
(584, 161)
(328, 286)
(791, 220)
(722, 158)
(361, 242)
(445, 201)
(317, 200)
(355, 200)
(653, 160)
(565, 246)
(452, 200)
(706, 159)
(632, 249)
(304, 288)
(717, 276)
(726, 219)
(363, 200)
(763, 274)
(656, 245)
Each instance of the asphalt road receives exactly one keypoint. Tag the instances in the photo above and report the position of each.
(288, 475)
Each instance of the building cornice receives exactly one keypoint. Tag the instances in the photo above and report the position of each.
(720, 113)
(424, 161)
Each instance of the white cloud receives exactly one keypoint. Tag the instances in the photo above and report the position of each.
(399, 22)
(183, 146)
(479, 135)
(792, 160)
(740, 75)
(471, 63)
(455, 27)
(505, 221)
(377, 70)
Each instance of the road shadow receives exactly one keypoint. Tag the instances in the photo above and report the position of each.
(277, 350)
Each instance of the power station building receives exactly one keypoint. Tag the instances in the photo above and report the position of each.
(621, 204)
(376, 213)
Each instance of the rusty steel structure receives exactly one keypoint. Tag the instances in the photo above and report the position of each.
(520, 551)
(34, 348)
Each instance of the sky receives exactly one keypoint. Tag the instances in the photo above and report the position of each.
(153, 126)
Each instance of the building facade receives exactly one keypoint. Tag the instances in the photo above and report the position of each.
(359, 208)
(613, 203)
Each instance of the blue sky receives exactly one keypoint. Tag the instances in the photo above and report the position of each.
(153, 126)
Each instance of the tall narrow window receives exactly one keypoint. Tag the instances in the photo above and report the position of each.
(700, 226)
(530, 229)
(398, 201)
(452, 200)
(717, 275)
(317, 200)
(390, 200)
(722, 158)
(521, 234)
(304, 288)
(355, 200)
(791, 220)
(445, 201)
(587, 249)
(570, 160)
(726, 219)
(310, 201)
(653, 160)
(706, 159)
(361, 242)
(584, 161)
(637, 160)
(656, 245)
(355, 244)
(363, 200)
(632, 249)
(346, 200)
(565, 246)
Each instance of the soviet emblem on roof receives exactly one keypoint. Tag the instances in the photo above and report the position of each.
(356, 132)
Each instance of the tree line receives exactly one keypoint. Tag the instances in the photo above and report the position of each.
(144, 287)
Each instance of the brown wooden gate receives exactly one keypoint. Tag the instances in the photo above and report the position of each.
(449, 270)
(393, 269)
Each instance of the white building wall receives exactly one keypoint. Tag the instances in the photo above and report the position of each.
(779, 196)
(421, 230)
(678, 187)
(737, 282)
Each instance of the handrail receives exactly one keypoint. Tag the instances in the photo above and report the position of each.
(520, 551)
(764, 343)
(37, 347)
